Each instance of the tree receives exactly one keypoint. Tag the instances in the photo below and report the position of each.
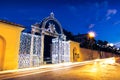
(69, 35)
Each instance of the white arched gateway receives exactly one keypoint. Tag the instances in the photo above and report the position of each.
(49, 26)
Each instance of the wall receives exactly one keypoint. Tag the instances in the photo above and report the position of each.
(83, 54)
(87, 54)
(9, 44)
(74, 51)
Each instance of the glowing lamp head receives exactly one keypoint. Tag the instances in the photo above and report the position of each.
(91, 34)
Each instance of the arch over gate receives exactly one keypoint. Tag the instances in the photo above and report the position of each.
(2, 51)
(52, 23)
(49, 26)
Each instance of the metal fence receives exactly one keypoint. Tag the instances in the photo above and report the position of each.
(60, 51)
(24, 52)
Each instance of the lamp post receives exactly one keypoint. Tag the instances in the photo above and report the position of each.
(91, 36)
(111, 45)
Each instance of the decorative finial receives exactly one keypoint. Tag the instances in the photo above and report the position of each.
(52, 14)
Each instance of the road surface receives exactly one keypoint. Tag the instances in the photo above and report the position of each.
(92, 71)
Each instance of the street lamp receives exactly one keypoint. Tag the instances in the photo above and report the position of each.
(111, 45)
(91, 36)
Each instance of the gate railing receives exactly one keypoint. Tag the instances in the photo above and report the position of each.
(60, 51)
(24, 52)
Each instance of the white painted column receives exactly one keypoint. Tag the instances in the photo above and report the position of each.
(31, 49)
(42, 49)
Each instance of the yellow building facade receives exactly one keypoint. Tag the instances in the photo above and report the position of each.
(9, 45)
(74, 51)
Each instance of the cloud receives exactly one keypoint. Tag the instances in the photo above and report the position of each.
(73, 8)
(91, 26)
(117, 22)
(5, 18)
(108, 17)
(111, 12)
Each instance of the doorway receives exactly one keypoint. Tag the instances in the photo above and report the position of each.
(2, 50)
(47, 49)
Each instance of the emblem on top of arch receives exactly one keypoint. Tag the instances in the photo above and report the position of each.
(52, 14)
(51, 28)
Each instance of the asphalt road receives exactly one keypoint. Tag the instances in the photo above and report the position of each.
(93, 71)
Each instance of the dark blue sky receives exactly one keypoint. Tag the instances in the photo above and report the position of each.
(77, 16)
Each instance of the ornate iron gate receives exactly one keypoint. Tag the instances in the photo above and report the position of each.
(25, 49)
(32, 46)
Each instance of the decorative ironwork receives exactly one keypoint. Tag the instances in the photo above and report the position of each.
(48, 27)
(51, 28)
(32, 46)
(60, 51)
(24, 52)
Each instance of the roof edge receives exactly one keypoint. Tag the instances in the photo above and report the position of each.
(11, 23)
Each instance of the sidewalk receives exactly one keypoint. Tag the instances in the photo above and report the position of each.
(47, 66)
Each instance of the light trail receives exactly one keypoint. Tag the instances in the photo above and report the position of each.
(26, 72)
(48, 68)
